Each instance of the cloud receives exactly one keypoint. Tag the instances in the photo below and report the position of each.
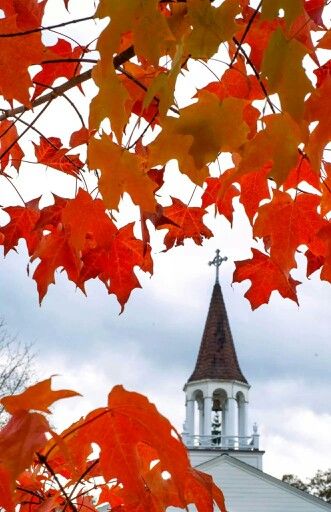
(152, 347)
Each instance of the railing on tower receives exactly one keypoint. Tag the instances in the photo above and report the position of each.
(220, 442)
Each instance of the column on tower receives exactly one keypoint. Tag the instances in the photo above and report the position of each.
(231, 421)
(201, 416)
(190, 417)
(242, 421)
(208, 405)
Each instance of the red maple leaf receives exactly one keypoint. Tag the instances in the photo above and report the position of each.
(286, 223)
(265, 276)
(22, 224)
(53, 70)
(115, 262)
(9, 146)
(54, 252)
(224, 202)
(51, 153)
(185, 222)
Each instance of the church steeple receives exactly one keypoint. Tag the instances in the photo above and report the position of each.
(217, 384)
(217, 358)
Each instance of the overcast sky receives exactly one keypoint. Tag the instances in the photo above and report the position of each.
(284, 351)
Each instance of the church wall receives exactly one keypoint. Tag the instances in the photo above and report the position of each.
(246, 492)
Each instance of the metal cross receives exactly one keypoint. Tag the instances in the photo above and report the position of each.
(217, 261)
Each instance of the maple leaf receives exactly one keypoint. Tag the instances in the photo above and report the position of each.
(325, 236)
(53, 70)
(277, 145)
(84, 217)
(318, 109)
(114, 263)
(287, 223)
(21, 225)
(110, 101)
(20, 438)
(121, 171)
(51, 153)
(303, 171)
(202, 131)
(185, 222)
(253, 189)
(29, 13)
(9, 146)
(51, 215)
(137, 81)
(315, 10)
(80, 137)
(15, 58)
(37, 397)
(265, 276)
(258, 37)
(292, 9)
(54, 251)
(282, 62)
(236, 83)
(225, 202)
(314, 262)
(326, 193)
(147, 52)
(138, 18)
(210, 26)
(6, 490)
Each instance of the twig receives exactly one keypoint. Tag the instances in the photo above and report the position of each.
(256, 73)
(43, 460)
(40, 29)
(247, 29)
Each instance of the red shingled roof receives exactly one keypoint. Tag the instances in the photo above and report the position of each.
(217, 358)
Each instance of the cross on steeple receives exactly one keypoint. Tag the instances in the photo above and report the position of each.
(217, 261)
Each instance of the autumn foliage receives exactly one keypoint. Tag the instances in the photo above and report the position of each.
(124, 456)
(256, 132)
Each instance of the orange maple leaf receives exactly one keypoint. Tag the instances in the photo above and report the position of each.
(37, 397)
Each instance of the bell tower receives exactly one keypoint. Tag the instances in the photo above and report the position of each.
(217, 392)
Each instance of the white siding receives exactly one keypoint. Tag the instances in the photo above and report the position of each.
(245, 491)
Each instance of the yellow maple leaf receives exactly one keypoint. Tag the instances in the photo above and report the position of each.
(202, 131)
(277, 144)
(121, 171)
(292, 9)
(210, 26)
(282, 67)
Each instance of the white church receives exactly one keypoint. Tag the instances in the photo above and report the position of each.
(216, 431)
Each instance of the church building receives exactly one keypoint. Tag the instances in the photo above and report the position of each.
(216, 430)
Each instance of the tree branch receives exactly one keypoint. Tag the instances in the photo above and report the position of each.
(118, 60)
(40, 29)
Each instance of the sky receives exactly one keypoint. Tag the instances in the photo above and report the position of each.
(284, 350)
